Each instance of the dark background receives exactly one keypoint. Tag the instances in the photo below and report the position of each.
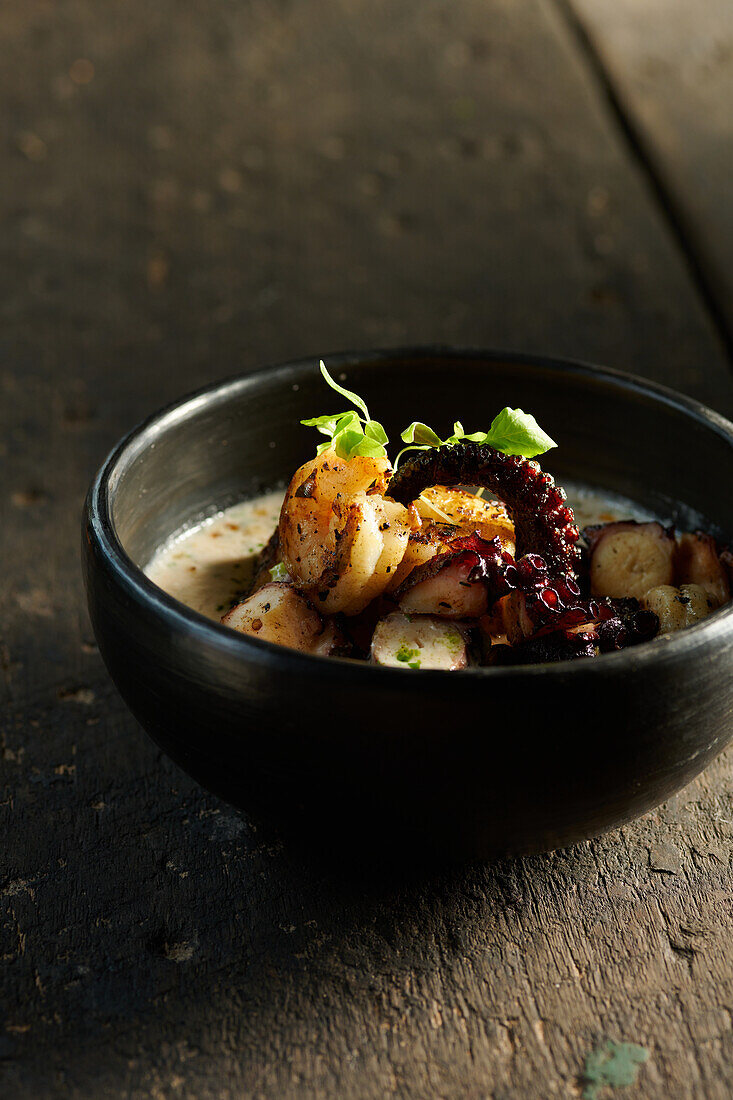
(191, 189)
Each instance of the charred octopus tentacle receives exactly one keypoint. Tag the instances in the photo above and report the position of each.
(540, 604)
(544, 612)
(542, 520)
(477, 573)
(618, 624)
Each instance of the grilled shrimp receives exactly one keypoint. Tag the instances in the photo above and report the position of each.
(339, 538)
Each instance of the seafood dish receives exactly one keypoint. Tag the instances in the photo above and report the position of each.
(410, 565)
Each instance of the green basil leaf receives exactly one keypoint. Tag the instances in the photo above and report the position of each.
(348, 420)
(375, 431)
(368, 448)
(353, 397)
(420, 433)
(326, 425)
(346, 434)
(513, 431)
(517, 433)
(458, 434)
(345, 442)
(353, 441)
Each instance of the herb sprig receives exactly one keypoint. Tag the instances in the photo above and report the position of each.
(350, 433)
(513, 431)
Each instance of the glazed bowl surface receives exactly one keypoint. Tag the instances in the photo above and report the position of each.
(483, 762)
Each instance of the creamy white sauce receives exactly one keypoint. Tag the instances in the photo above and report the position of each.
(207, 566)
(591, 506)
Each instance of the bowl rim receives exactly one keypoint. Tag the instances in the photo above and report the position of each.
(100, 527)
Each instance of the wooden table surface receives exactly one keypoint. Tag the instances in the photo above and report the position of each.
(193, 189)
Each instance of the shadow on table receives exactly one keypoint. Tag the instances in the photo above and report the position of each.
(234, 954)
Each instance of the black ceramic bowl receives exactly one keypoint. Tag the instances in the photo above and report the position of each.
(481, 762)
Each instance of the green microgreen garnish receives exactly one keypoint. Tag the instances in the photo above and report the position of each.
(513, 432)
(517, 433)
(348, 433)
(279, 572)
(353, 432)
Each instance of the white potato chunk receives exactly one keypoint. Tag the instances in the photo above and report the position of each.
(402, 641)
(627, 559)
(278, 613)
(678, 607)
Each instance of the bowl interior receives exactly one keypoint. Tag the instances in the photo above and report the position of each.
(243, 437)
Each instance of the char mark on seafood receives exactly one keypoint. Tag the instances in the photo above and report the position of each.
(542, 520)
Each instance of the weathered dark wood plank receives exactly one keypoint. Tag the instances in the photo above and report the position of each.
(235, 184)
(671, 66)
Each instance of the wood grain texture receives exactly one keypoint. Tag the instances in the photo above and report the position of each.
(236, 184)
(671, 65)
